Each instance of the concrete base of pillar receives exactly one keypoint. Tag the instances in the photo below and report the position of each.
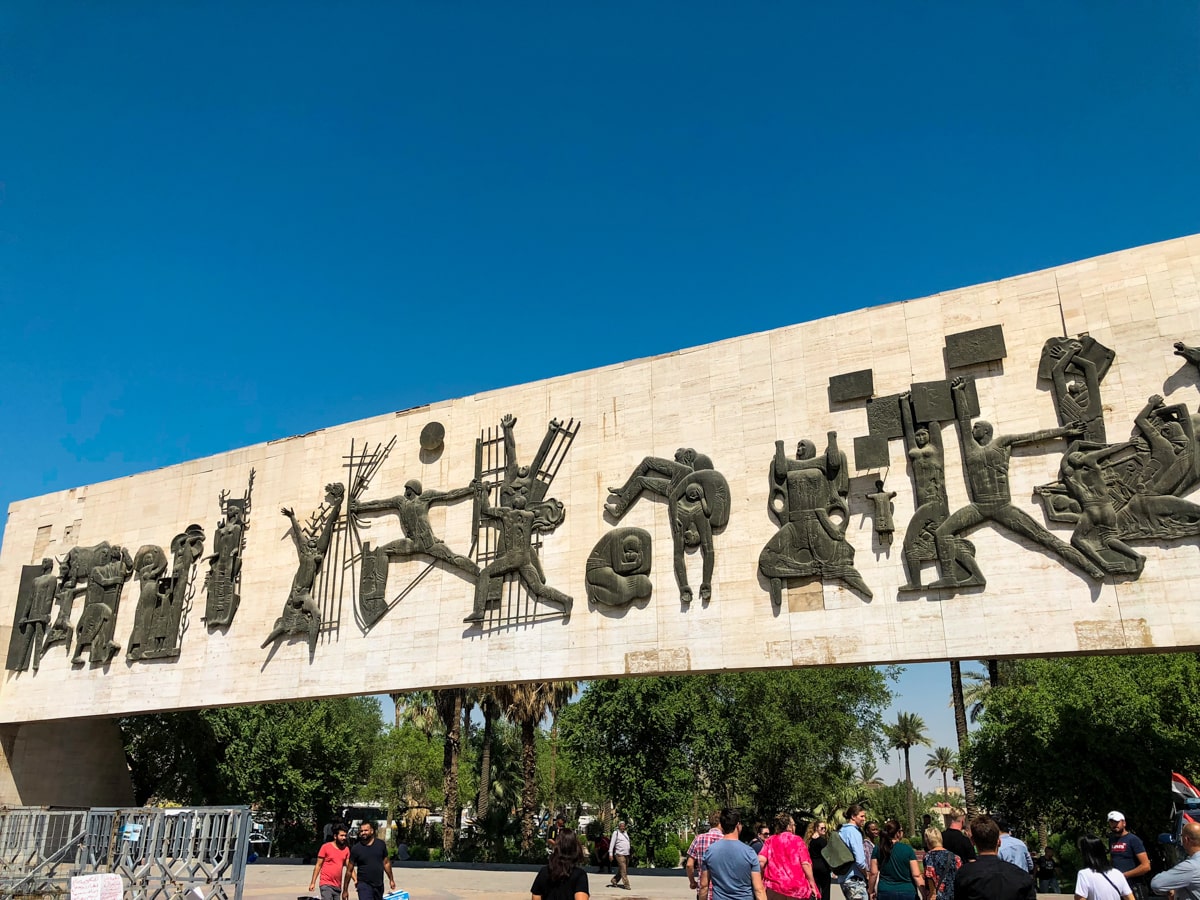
(73, 763)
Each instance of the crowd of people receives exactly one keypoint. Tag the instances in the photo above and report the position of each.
(979, 860)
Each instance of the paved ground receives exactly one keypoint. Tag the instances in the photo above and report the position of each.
(479, 882)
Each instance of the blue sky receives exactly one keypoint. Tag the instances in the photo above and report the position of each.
(226, 223)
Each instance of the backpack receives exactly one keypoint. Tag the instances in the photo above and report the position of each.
(837, 854)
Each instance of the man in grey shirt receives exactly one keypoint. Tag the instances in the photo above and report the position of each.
(1183, 879)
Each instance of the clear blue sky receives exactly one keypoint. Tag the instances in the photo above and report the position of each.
(226, 223)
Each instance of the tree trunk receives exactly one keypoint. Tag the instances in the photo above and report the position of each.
(1043, 830)
(450, 708)
(553, 761)
(994, 672)
(529, 786)
(483, 801)
(960, 727)
(396, 706)
(912, 815)
(945, 785)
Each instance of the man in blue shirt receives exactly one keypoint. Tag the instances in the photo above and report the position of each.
(1129, 855)
(731, 868)
(1012, 849)
(854, 882)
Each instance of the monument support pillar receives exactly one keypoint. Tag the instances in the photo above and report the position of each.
(72, 762)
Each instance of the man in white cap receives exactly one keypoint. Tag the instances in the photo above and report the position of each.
(1184, 879)
(1128, 854)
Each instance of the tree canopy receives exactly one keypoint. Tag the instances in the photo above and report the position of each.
(767, 741)
(1071, 738)
(298, 760)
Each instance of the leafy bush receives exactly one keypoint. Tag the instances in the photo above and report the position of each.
(435, 854)
(667, 857)
(418, 852)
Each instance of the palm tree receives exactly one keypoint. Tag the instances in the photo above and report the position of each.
(489, 705)
(449, 705)
(868, 774)
(417, 708)
(943, 760)
(907, 732)
(960, 728)
(527, 705)
(976, 687)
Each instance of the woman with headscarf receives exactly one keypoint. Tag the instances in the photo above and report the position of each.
(562, 878)
(1098, 880)
(787, 871)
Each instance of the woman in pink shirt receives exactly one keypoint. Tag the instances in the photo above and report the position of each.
(786, 866)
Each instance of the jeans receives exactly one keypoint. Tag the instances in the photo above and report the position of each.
(854, 889)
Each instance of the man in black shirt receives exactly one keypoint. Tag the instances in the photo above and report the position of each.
(954, 840)
(367, 864)
(990, 877)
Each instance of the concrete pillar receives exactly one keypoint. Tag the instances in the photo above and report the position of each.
(72, 762)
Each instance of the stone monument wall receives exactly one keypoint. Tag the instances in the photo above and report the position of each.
(1067, 529)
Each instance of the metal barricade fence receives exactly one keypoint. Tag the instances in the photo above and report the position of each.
(160, 854)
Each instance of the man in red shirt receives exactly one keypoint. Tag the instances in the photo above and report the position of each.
(331, 864)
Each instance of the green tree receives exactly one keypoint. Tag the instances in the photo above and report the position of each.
(868, 774)
(1072, 738)
(406, 771)
(630, 736)
(943, 760)
(781, 740)
(906, 732)
(298, 760)
(527, 705)
(770, 741)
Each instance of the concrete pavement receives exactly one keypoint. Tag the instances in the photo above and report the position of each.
(432, 881)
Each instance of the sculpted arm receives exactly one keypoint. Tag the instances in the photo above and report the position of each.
(295, 529)
(387, 505)
(1035, 437)
(448, 496)
(510, 447)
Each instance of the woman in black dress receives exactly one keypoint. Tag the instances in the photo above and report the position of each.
(816, 843)
(562, 878)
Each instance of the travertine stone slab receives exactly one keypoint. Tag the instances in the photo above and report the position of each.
(730, 401)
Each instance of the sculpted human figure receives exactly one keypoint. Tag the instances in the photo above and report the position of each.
(301, 615)
(809, 542)
(1096, 530)
(884, 525)
(926, 457)
(98, 619)
(36, 601)
(1169, 462)
(73, 573)
(149, 566)
(1077, 399)
(618, 568)
(697, 503)
(225, 566)
(41, 604)
(412, 508)
(986, 461)
(515, 552)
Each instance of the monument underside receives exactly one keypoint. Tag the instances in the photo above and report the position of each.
(1000, 470)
